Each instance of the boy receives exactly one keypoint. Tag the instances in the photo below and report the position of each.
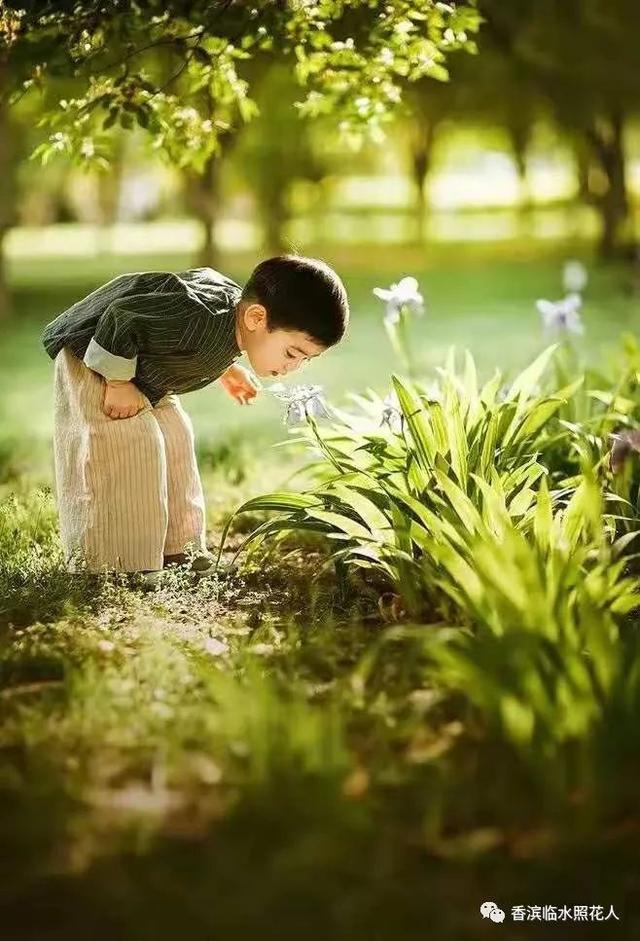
(127, 485)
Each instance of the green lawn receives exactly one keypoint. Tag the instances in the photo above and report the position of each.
(482, 300)
(258, 754)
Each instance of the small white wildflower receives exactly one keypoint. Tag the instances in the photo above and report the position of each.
(403, 294)
(561, 316)
(574, 276)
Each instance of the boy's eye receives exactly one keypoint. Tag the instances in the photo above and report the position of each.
(290, 355)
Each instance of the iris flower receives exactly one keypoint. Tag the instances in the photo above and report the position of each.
(574, 277)
(403, 294)
(562, 316)
(391, 413)
(301, 402)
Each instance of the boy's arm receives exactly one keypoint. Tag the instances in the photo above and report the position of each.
(122, 399)
(129, 325)
(239, 383)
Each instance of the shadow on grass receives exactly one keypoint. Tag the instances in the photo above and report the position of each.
(298, 862)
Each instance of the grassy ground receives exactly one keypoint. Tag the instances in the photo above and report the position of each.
(221, 756)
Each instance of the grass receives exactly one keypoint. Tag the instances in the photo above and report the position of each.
(258, 752)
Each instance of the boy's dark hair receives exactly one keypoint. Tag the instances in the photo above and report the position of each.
(300, 294)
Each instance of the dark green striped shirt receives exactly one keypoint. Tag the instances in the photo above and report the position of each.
(166, 332)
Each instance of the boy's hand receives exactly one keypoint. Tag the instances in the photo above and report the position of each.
(240, 384)
(122, 399)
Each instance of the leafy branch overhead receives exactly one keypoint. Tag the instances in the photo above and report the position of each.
(160, 64)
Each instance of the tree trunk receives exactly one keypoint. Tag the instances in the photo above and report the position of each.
(519, 135)
(422, 142)
(109, 185)
(275, 215)
(203, 196)
(6, 195)
(5, 296)
(606, 140)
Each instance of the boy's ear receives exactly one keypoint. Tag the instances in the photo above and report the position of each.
(255, 315)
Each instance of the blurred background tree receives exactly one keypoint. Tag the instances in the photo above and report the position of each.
(212, 127)
(275, 152)
(177, 70)
(582, 58)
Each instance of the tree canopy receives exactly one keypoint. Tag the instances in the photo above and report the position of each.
(160, 63)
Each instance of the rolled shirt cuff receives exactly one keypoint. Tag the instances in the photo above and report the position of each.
(108, 364)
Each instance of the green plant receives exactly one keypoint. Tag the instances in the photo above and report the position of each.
(385, 493)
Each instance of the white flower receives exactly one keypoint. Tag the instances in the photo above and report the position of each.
(562, 316)
(403, 294)
(574, 276)
(301, 402)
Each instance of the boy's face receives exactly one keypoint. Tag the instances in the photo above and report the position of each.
(273, 352)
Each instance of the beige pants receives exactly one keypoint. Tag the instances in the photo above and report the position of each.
(128, 489)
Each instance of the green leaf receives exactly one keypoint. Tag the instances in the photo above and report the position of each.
(460, 502)
(111, 119)
(365, 508)
(283, 500)
(458, 445)
(344, 523)
(543, 519)
(521, 502)
(494, 511)
(417, 423)
(524, 384)
(518, 719)
(533, 421)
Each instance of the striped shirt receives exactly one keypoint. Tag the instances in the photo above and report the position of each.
(166, 332)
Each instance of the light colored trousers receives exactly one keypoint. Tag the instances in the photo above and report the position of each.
(128, 489)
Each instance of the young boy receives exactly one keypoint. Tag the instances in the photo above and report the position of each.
(127, 485)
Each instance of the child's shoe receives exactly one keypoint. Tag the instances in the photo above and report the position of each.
(150, 581)
(201, 564)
